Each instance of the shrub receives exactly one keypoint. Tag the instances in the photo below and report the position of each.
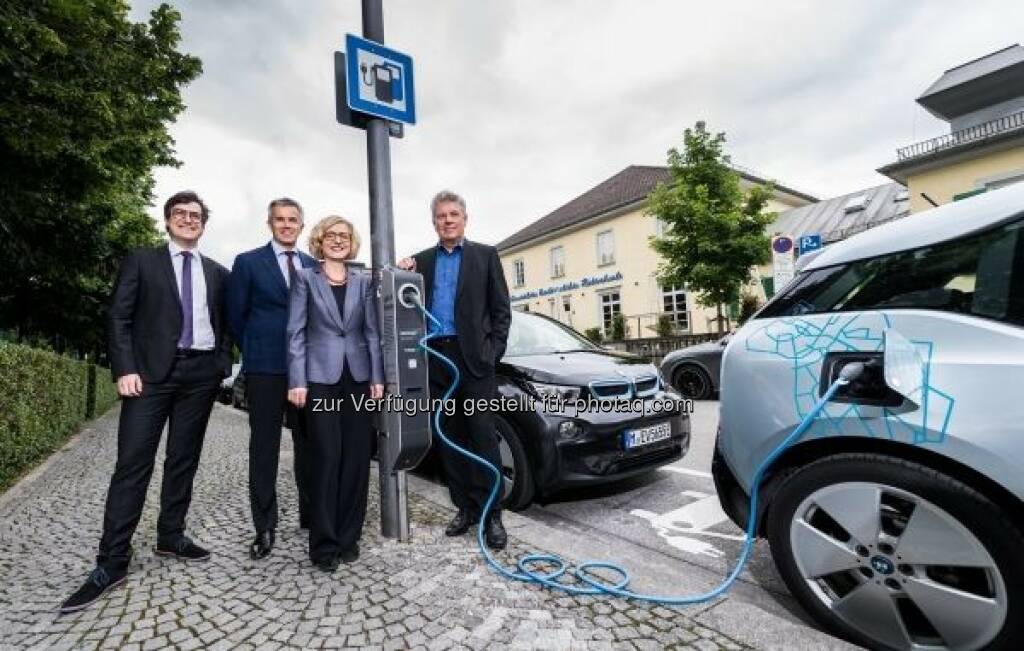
(44, 397)
(748, 305)
(665, 327)
(619, 328)
(593, 334)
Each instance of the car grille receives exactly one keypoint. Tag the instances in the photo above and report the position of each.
(647, 458)
(610, 389)
(646, 386)
(640, 387)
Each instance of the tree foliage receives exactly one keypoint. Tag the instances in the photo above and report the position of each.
(87, 96)
(714, 230)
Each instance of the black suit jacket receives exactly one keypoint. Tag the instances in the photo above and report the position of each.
(483, 311)
(144, 319)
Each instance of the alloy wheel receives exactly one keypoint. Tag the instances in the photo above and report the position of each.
(897, 568)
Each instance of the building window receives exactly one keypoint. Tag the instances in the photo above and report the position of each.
(557, 262)
(519, 267)
(674, 307)
(605, 248)
(551, 309)
(611, 305)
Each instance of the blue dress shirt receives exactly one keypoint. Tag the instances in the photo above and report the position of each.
(446, 282)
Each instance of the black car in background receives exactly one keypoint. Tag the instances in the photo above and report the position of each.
(631, 423)
(695, 371)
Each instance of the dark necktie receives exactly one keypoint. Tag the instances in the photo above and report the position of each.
(291, 267)
(186, 300)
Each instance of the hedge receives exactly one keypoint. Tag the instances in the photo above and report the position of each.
(44, 397)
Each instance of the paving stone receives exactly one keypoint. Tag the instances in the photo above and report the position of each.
(437, 594)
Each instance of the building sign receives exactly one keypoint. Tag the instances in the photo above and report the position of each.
(589, 281)
(783, 263)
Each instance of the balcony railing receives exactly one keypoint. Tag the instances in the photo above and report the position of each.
(976, 133)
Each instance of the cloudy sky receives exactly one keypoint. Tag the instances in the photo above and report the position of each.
(524, 104)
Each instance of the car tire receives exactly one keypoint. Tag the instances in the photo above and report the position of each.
(513, 456)
(944, 567)
(692, 382)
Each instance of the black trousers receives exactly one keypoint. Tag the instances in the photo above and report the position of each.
(185, 399)
(340, 437)
(267, 399)
(469, 483)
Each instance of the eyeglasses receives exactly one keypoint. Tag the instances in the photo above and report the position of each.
(340, 237)
(183, 215)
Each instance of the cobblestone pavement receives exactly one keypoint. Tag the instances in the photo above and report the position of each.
(434, 593)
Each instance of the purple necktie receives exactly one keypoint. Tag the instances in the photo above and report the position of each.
(291, 267)
(186, 300)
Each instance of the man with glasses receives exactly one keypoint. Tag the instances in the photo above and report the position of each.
(169, 350)
(258, 313)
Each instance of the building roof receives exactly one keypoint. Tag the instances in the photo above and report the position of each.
(840, 217)
(626, 188)
(945, 223)
(977, 84)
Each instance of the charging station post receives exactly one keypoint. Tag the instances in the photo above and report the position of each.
(362, 102)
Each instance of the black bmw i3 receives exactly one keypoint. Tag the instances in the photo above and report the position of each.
(582, 414)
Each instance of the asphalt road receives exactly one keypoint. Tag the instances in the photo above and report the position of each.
(673, 512)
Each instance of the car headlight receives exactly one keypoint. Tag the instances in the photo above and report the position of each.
(560, 392)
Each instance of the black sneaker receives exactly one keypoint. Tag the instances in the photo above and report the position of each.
(184, 549)
(350, 555)
(95, 586)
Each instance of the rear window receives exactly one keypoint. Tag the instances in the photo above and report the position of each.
(981, 275)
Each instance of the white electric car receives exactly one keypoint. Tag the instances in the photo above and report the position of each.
(897, 520)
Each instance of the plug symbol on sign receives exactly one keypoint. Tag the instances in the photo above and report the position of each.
(385, 79)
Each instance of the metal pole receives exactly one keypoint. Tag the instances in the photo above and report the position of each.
(394, 511)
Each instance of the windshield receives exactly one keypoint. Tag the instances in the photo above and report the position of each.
(531, 334)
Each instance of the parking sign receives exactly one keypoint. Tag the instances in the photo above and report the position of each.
(808, 243)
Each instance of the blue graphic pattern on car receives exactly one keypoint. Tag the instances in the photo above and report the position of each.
(806, 340)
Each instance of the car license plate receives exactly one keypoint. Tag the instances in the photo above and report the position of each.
(634, 438)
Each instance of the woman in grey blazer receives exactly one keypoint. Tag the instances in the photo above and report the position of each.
(334, 365)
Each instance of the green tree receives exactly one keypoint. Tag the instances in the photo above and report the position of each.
(87, 96)
(715, 232)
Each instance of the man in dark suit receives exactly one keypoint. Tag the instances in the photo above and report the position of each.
(466, 291)
(169, 350)
(258, 313)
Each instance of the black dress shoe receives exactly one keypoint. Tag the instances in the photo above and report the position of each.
(461, 523)
(494, 532)
(98, 583)
(328, 565)
(184, 549)
(350, 555)
(261, 547)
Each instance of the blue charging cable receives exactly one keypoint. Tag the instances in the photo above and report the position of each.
(583, 573)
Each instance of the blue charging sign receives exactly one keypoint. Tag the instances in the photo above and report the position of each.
(379, 80)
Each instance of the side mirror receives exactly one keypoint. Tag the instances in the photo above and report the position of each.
(904, 368)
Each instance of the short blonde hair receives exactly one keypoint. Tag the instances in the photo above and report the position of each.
(316, 237)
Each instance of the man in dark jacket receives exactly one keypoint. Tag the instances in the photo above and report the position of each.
(169, 350)
(258, 313)
(466, 291)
